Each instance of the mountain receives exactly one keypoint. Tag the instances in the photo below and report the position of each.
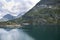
(45, 12)
(49, 2)
(9, 17)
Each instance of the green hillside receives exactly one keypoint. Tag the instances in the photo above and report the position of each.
(40, 14)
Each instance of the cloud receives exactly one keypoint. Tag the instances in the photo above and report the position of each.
(16, 7)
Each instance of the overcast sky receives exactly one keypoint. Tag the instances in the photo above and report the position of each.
(16, 7)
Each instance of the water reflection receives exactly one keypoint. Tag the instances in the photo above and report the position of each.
(14, 34)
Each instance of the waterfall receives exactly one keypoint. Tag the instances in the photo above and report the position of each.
(14, 34)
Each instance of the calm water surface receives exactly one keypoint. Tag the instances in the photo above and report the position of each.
(41, 32)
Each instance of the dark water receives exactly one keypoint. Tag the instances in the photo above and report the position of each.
(44, 32)
(30, 32)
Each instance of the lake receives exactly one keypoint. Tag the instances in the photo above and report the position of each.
(30, 32)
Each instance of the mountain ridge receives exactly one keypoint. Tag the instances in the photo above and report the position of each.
(40, 14)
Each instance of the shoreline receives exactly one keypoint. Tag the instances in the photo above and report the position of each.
(10, 26)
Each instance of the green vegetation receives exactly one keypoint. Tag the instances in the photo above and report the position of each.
(38, 15)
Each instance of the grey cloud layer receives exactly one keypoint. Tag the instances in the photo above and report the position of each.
(22, 6)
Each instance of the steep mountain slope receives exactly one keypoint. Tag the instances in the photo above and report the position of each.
(45, 12)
